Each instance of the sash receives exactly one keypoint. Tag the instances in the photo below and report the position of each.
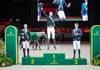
(52, 21)
(26, 34)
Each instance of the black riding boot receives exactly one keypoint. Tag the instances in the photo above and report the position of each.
(74, 52)
(28, 52)
(24, 52)
(54, 43)
(79, 52)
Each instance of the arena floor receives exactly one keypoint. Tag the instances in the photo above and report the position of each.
(61, 48)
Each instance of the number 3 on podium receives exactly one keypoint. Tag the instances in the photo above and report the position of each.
(76, 61)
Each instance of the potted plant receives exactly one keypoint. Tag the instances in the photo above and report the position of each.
(4, 60)
(96, 60)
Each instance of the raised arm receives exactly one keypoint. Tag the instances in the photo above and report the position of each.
(44, 12)
(54, 1)
(55, 13)
(66, 4)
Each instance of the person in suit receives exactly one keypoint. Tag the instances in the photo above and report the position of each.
(60, 8)
(25, 38)
(50, 28)
(84, 10)
(76, 34)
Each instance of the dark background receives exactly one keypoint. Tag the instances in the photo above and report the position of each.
(26, 11)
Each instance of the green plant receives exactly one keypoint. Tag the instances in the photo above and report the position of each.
(2, 48)
(96, 60)
(2, 51)
(4, 61)
(8, 61)
(1, 60)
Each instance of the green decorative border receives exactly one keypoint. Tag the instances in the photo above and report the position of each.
(91, 46)
(16, 41)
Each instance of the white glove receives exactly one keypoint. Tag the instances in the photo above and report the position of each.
(68, 5)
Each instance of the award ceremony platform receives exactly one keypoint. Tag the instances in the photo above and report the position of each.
(52, 59)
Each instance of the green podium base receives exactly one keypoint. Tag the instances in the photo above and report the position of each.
(52, 59)
(32, 61)
(81, 61)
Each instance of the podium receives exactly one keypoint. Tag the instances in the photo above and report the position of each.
(52, 59)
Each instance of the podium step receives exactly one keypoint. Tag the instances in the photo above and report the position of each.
(32, 61)
(54, 59)
(81, 61)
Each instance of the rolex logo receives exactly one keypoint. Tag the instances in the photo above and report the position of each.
(97, 33)
(10, 34)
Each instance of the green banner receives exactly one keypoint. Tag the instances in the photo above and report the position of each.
(11, 43)
(95, 42)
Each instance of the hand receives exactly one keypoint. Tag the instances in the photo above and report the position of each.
(41, 8)
(68, 5)
(76, 33)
